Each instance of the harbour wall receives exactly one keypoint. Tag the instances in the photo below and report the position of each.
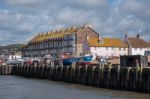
(118, 78)
(6, 69)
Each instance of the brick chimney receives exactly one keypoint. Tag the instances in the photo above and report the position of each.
(100, 40)
(126, 35)
(87, 25)
(138, 35)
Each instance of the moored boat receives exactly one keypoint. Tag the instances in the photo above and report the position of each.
(87, 58)
(70, 60)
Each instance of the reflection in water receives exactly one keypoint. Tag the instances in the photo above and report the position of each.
(12, 87)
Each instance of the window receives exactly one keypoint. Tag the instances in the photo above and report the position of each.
(112, 48)
(55, 44)
(119, 49)
(101, 41)
(52, 44)
(106, 48)
(124, 49)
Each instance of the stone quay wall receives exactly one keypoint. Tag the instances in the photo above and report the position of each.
(117, 78)
(5, 69)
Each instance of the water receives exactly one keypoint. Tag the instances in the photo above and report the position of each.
(12, 87)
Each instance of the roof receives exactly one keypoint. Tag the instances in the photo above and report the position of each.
(138, 43)
(55, 34)
(106, 42)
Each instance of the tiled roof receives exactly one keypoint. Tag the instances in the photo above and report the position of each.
(55, 34)
(106, 42)
(138, 43)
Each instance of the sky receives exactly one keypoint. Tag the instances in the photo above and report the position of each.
(21, 20)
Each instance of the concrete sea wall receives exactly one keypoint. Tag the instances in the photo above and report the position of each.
(118, 78)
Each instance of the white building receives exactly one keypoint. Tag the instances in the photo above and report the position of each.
(107, 47)
(137, 45)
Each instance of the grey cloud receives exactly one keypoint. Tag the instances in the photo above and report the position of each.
(140, 11)
(89, 3)
(26, 18)
(22, 2)
(85, 3)
(136, 7)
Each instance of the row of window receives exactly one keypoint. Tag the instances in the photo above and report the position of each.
(55, 51)
(120, 49)
(66, 37)
(138, 49)
(69, 36)
(111, 54)
(110, 48)
(51, 45)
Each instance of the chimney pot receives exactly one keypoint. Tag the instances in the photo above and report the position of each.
(138, 36)
(87, 25)
(126, 35)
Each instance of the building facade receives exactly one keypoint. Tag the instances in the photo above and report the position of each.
(137, 45)
(69, 40)
(76, 41)
(107, 47)
(11, 51)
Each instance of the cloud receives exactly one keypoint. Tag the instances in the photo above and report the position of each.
(140, 15)
(84, 3)
(137, 8)
(74, 16)
(90, 3)
(22, 2)
(20, 20)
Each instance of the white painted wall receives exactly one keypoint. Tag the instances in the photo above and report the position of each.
(139, 51)
(13, 57)
(108, 51)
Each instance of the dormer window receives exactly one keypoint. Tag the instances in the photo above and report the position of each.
(101, 41)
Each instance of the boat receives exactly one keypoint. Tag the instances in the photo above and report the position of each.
(87, 58)
(14, 61)
(70, 60)
(2, 62)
